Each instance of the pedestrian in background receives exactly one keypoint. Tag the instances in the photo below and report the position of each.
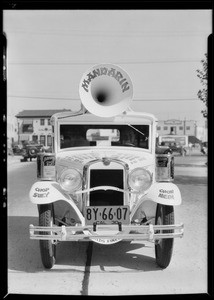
(190, 148)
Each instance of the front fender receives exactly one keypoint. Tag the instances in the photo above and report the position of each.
(44, 192)
(166, 193)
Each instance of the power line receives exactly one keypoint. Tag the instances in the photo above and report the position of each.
(94, 63)
(48, 98)
(78, 99)
(179, 99)
(114, 33)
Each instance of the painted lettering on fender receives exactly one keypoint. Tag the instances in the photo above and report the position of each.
(166, 194)
(109, 72)
(41, 193)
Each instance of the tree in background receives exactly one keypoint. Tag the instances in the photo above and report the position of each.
(203, 76)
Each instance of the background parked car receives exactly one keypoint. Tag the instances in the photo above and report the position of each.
(175, 148)
(30, 151)
(17, 148)
(204, 148)
(163, 150)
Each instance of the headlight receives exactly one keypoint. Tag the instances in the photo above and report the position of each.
(140, 179)
(70, 180)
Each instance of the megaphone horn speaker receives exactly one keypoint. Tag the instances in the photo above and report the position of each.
(106, 90)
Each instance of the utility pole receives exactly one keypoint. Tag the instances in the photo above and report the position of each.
(195, 124)
(185, 126)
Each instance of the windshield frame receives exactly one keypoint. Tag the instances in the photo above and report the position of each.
(105, 125)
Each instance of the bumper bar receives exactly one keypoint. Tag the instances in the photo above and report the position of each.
(85, 233)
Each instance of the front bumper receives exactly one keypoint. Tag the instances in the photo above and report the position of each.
(126, 232)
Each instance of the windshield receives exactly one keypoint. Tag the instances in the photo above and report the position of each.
(101, 135)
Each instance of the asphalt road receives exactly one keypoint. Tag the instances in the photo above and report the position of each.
(86, 268)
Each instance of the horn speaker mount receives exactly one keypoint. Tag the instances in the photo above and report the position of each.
(106, 90)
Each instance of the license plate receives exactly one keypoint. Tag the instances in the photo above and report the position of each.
(107, 214)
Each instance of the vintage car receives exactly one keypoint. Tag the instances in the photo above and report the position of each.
(204, 148)
(30, 151)
(173, 148)
(104, 182)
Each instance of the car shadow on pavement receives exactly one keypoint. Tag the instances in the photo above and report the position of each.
(110, 258)
(124, 256)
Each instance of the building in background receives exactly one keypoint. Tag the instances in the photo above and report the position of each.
(182, 127)
(202, 132)
(34, 126)
(12, 131)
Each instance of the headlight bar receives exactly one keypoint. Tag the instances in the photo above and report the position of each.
(105, 188)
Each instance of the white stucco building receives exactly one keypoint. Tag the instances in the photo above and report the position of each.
(183, 127)
(12, 130)
(34, 125)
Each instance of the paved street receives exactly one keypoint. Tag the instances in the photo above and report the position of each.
(120, 269)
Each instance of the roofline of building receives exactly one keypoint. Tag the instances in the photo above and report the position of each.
(36, 115)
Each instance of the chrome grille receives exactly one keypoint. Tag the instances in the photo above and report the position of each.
(110, 177)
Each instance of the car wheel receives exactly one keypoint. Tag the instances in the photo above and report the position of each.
(47, 247)
(32, 152)
(164, 247)
(23, 159)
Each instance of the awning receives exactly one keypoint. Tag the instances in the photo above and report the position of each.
(27, 122)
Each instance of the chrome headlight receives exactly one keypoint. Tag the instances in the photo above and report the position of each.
(140, 179)
(70, 180)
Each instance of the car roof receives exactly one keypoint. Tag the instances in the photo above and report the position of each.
(131, 117)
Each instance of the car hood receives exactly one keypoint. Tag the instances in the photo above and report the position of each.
(134, 157)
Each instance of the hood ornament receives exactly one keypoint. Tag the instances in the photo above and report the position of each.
(106, 161)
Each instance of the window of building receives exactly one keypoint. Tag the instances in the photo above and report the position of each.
(165, 128)
(188, 128)
(35, 138)
(49, 121)
(42, 122)
(158, 128)
(42, 140)
(181, 128)
(49, 140)
(27, 126)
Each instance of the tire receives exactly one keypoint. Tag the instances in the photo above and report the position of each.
(32, 152)
(164, 247)
(47, 247)
(23, 159)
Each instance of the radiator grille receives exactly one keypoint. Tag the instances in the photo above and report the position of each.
(106, 177)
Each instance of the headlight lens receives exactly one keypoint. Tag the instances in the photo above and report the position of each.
(140, 179)
(70, 180)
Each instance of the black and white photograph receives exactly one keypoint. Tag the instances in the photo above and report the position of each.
(107, 151)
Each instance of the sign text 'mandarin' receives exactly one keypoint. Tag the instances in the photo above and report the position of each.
(109, 72)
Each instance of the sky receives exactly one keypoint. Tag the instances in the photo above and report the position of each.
(48, 51)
